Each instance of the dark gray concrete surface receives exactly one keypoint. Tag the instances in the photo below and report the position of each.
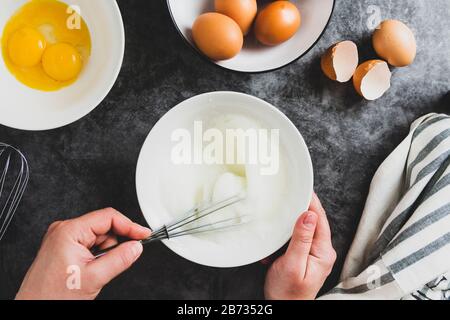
(91, 164)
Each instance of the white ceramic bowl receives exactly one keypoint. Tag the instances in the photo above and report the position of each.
(29, 109)
(255, 57)
(155, 155)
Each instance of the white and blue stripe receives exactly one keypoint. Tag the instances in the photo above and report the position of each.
(402, 246)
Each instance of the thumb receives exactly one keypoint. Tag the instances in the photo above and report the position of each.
(109, 266)
(297, 253)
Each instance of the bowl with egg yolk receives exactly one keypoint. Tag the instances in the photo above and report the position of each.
(58, 60)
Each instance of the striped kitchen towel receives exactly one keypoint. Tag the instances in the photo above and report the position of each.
(402, 247)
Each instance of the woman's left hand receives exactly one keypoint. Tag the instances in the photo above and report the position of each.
(301, 272)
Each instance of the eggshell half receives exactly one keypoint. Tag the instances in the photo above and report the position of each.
(340, 61)
(372, 79)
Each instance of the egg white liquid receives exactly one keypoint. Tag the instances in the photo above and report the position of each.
(184, 187)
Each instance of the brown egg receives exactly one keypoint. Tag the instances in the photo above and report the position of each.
(277, 23)
(218, 36)
(241, 11)
(394, 42)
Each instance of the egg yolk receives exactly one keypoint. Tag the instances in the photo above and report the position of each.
(62, 62)
(26, 47)
(40, 49)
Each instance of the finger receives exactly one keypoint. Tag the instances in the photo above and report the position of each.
(100, 239)
(322, 251)
(298, 250)
(108, 242)
(316, 205)
(109, 266)
(322, 245)
(315, 275)
(102, 221)
(323, 232)
(266, 261)
(320, 267)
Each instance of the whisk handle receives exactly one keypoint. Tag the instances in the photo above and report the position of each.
(99, 253)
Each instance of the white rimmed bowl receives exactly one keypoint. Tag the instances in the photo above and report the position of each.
(255, 57)
(152, 166)
(24, 108)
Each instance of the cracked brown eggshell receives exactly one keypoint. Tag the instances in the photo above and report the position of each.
(372, 79)
(340, 61)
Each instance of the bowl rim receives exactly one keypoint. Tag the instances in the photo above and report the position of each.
(96, 102)
(248, 72)
(140, 164)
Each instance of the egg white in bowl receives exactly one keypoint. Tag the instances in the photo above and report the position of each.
(166, 189)
(29, 109)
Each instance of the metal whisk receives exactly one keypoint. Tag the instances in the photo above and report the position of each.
(184, 226)
(14, 176)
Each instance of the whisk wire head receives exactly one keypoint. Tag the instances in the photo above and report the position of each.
(13, 182)
(181, 226)
(203, 211)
